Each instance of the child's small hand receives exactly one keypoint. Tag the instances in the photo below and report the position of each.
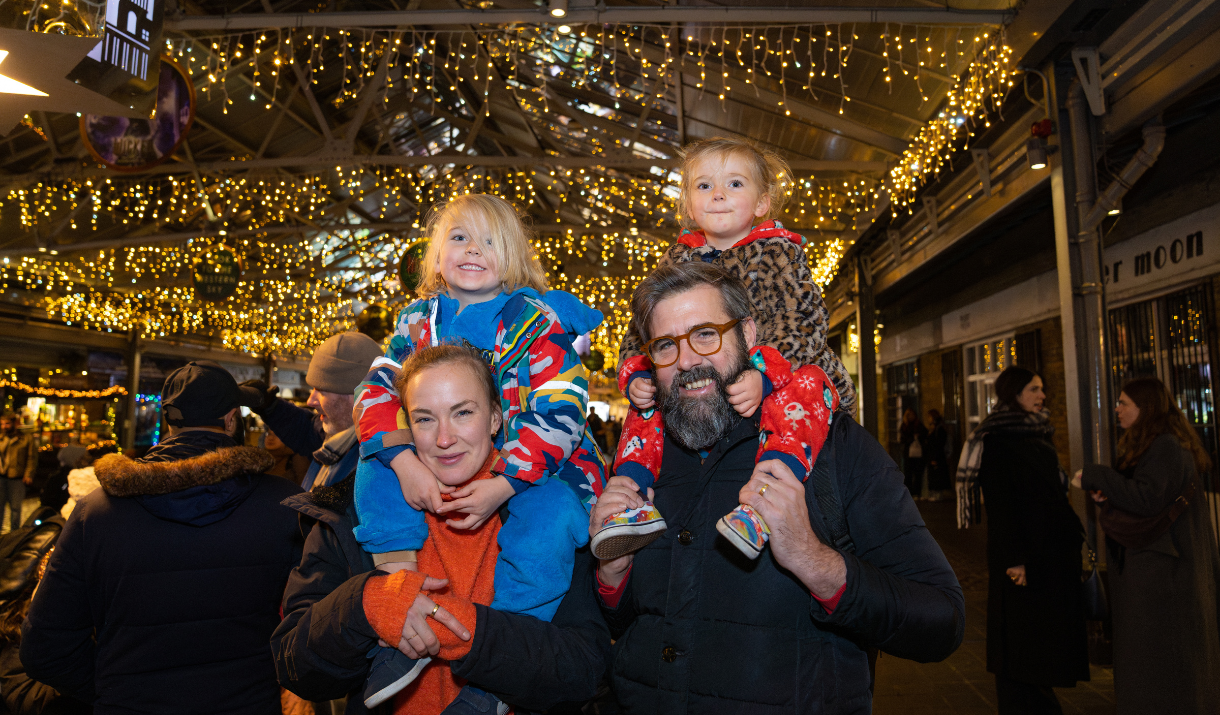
(641, 392)
(419, 486)
(478, 500)
(745, 395)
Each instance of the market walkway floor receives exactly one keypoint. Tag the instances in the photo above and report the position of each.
(961, 684)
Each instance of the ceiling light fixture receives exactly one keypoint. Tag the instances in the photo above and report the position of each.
(564, 29)
(1036, 153)
(558, 8)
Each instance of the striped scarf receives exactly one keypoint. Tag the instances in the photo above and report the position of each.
(1002, 420)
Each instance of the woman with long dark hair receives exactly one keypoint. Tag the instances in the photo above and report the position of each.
(1035, 621)
(1162, 559)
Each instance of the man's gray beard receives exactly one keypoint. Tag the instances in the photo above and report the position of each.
(699, 422)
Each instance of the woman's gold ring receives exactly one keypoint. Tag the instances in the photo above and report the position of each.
(762, 492)
(435, 608)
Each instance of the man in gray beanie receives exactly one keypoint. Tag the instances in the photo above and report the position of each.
(335, 371)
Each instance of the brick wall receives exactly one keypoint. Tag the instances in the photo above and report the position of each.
(1054, 381)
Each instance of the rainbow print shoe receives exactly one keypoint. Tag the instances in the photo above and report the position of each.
(627, 532)
(745, 529)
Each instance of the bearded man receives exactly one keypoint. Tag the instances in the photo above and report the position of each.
(701, 628)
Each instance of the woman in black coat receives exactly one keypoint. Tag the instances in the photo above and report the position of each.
(1035, 622)
(1163, 583)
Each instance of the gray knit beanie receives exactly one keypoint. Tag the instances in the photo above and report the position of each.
(340, 363)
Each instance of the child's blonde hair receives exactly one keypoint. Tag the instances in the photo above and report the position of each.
(485, 217)
(769, 169)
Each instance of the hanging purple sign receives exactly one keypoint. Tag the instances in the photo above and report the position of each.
(136, 144)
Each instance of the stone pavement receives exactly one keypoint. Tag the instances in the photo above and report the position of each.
(961, 684)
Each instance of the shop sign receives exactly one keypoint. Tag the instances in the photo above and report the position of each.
(216, 274)
(1176, 250)
(125, 144)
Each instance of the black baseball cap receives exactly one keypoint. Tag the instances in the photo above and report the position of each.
(199, 394)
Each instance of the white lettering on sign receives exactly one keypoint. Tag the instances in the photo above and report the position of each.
(1179, 249)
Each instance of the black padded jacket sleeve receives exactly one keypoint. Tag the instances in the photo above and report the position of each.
(901, 596)
(321, 646)
(57, 645)
(537, 666)
(297, 427)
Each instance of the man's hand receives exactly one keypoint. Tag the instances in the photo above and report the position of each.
(478, 500)
(419, 486)
(1017, 574)
(620, 494)
(641, 392)
(28, 481)
(796, 548)
(745, 395)
(256, 395)
(418, 640)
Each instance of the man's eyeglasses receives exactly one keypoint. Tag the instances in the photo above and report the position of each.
(704, 339)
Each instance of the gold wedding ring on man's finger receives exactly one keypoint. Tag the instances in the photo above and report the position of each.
(763, 490)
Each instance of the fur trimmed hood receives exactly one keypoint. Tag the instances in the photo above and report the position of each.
(124, 477)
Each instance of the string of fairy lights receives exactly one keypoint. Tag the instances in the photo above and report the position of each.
(296, 291)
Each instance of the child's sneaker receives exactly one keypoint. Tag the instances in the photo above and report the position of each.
(390, 672)
(472, 701)
(745, 529)
(627, 532)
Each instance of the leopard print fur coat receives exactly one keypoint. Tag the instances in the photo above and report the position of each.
(788, 305)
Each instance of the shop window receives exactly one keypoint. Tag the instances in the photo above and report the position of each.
(902, 383)
(983, 362)
(1170, 338)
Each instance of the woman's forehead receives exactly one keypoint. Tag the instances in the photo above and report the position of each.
(445, 384)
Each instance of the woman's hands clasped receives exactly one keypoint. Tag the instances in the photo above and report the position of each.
(418, 639)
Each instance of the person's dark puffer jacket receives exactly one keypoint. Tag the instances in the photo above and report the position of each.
(165, 586)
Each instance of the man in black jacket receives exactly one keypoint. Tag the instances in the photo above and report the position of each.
(321, 648)
(166, 583)
(700, 628)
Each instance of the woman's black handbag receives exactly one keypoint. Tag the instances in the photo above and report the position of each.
(1093, 592)
(1096, 607)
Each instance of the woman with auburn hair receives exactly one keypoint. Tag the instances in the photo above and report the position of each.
(1162, 558)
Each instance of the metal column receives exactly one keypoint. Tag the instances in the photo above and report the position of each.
(866, 323)
(133, 388)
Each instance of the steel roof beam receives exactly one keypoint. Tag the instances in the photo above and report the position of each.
(590, 16)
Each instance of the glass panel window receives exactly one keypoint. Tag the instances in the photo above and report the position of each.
(985, 361)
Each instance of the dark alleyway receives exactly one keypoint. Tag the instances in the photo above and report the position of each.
(961, 684)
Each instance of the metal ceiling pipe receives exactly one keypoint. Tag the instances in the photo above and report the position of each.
(1089, 290)
(589, 16)
(1154, 142)
(1088, 285)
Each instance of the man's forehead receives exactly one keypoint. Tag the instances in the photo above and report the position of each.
(682, 311)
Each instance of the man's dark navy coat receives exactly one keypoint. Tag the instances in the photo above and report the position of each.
(701, 629)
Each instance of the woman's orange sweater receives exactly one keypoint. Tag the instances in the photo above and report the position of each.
(468, 560)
